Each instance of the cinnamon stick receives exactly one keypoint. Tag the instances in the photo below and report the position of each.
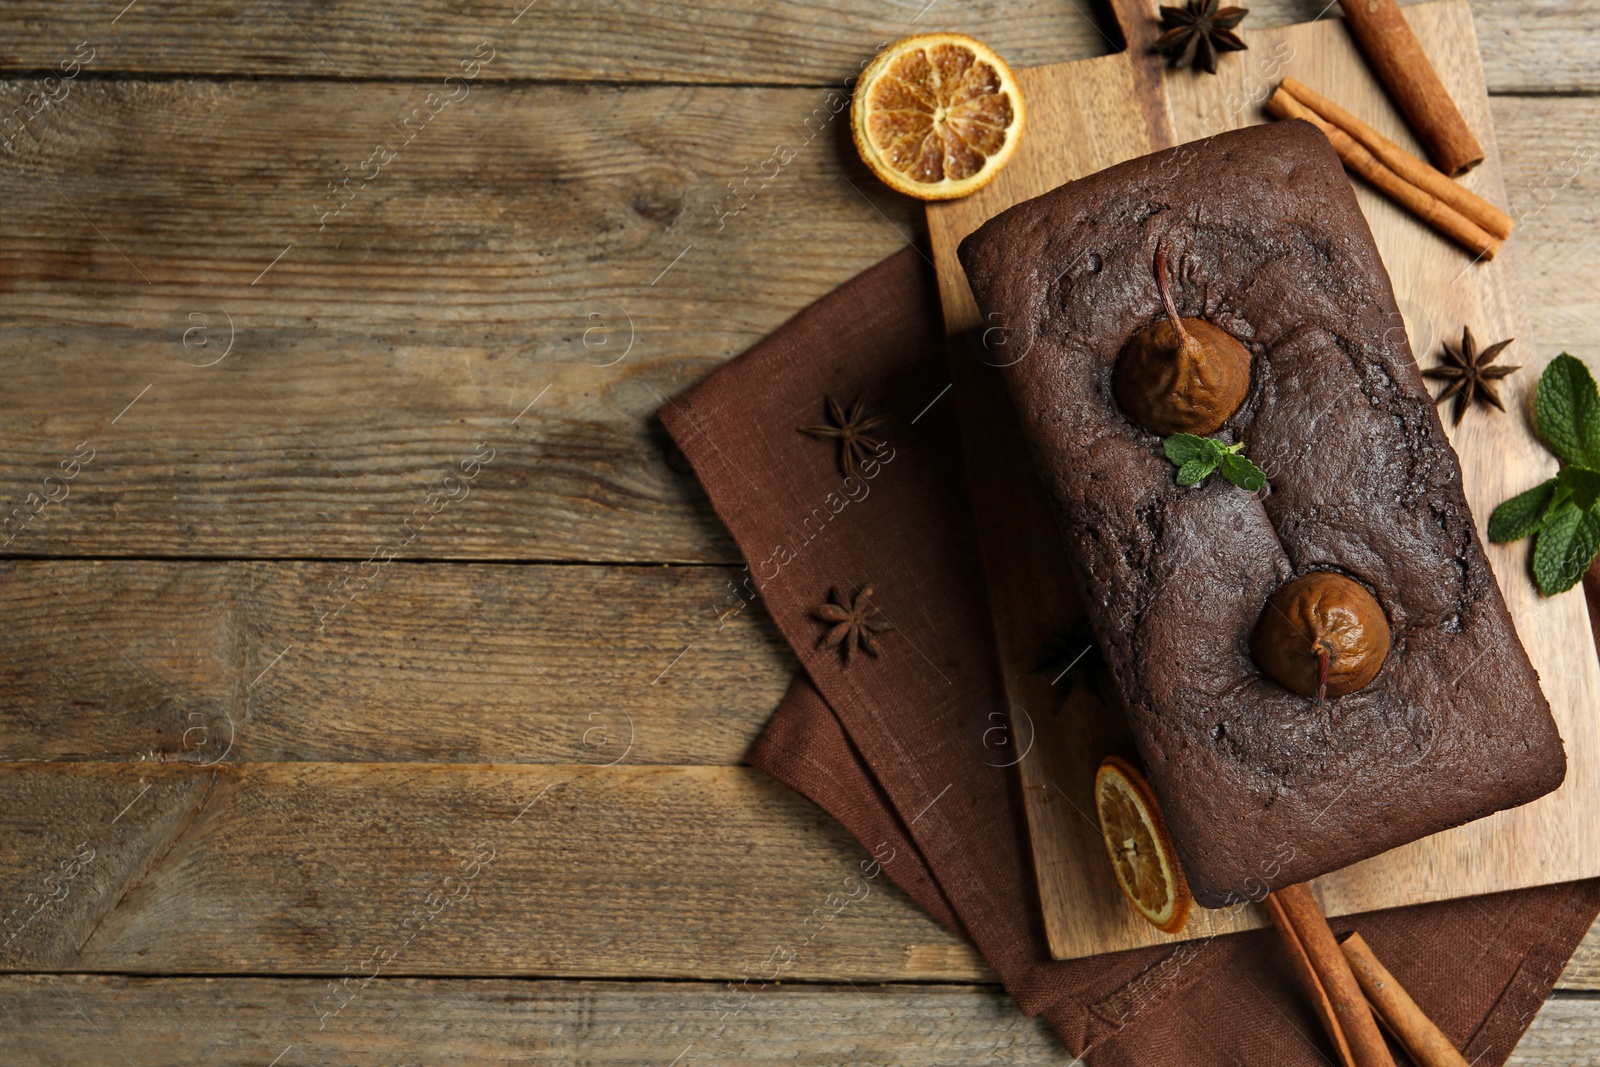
(1403, 163)
(1309, 980)
(1423, 1041)
(1397, 57)
(1349, 1007)
(1421, 203)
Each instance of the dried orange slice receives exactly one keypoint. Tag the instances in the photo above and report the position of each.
(1141, 852)
(937, 115)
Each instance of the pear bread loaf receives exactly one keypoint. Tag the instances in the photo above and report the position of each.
(1261, 784)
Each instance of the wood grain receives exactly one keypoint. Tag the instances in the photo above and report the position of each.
(157, 1022)
(407, 869)
(197, 662)
(1536, 46)
(538, 271)
(1583, 970)
(1566, 1032)
(684, 41)
(505, 213)
(451, 1023)
(1551, 158)
(1435, 284)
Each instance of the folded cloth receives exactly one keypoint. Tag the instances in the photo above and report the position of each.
(890, 744)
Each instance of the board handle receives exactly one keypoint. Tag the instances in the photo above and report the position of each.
(1138, 22)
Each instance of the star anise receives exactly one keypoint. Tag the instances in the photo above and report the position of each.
(1197, 31)
(855, 444)
(1469, 374)
(854, 623)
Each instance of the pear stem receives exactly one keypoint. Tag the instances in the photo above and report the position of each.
(1166, 292)
(1323, 660)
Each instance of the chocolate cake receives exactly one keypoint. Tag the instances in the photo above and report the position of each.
(1262, 786)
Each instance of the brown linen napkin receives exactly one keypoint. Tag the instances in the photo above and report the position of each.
(891, 745)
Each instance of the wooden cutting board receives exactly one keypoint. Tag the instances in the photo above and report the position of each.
(1085, 116)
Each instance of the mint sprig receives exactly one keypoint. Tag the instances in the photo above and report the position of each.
(1197, 457)
(1562, 514)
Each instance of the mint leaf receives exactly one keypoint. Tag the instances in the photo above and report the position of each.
(1182, 448)
(1552, 545)
(1582, 486)
(1585, 547)
(1564, 549)
(1196, 457)
(1562, 514)
(1195, 470)
(1242, 472)
(1567, 408)
(1561, 497)
(1523, 514)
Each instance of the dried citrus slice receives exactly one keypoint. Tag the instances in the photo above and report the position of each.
(1141, 852)
(937, 115)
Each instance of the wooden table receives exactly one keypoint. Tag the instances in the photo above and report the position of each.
(372, 689)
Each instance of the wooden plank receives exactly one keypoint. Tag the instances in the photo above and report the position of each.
(308, 450)
(1565, 1033)
(310, 868)
(449, 1023)
(413, 869)
(52, 1019)
(1528, 45)
(536, 273)
(163, 661)
(1550, 153)
(1436, 284)
(411, 329)
(689, 41)
(1583, 970)
(513, 205)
